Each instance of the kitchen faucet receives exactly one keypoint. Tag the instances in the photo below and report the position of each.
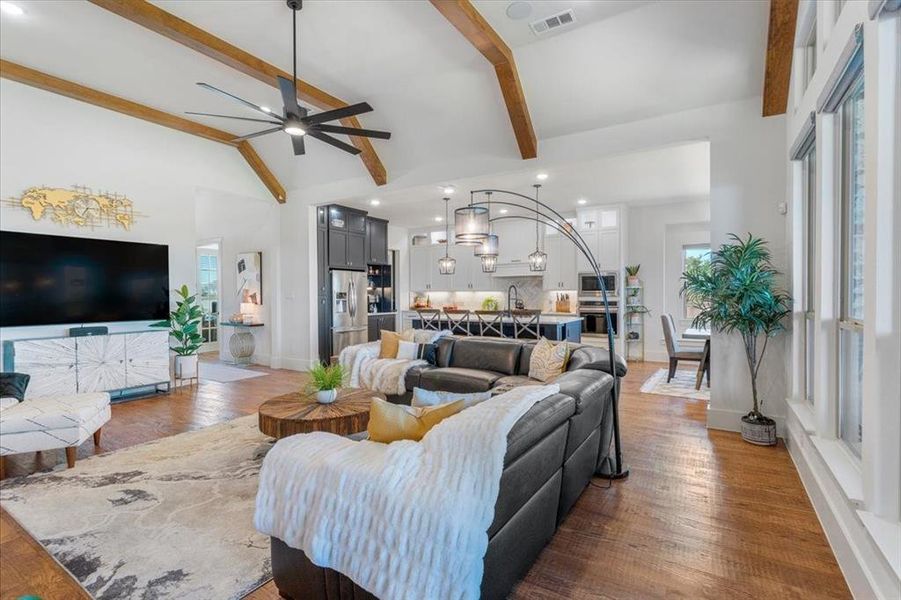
(515, 291)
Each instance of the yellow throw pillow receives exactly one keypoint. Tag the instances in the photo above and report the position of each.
(392, 422)
(548, 360)
(390, 342)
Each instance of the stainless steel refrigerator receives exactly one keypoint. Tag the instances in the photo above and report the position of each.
(349, 315)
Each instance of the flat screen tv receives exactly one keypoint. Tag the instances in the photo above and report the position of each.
(59, 280)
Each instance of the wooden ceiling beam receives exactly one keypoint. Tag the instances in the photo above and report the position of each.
(168, 25)
(49, 83)
(468, 21)
(779, 51)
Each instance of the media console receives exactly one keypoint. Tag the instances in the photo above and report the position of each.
(126, 364)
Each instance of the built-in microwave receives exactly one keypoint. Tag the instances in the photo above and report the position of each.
(589, 286)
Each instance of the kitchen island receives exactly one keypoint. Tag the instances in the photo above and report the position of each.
(554, 326)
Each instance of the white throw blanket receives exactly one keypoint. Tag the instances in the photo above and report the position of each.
(385, 375)
(407, 520)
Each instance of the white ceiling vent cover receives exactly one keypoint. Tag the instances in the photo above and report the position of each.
(553, 23)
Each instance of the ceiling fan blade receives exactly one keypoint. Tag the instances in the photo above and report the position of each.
(202, 114)
(257, 134)
(339, 113)
(297, 142)
(330, 140)
(289, 98)
(233, 97)
(382, 135)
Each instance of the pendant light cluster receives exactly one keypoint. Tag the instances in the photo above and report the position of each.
(447, 264)
(537, 259)
(487, 249)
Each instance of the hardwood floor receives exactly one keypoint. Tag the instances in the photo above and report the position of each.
(703, 514)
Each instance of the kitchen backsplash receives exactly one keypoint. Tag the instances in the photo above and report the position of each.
(529, 288)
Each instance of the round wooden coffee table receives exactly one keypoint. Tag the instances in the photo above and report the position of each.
(300, 413)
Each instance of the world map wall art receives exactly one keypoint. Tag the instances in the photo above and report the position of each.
(79, 207)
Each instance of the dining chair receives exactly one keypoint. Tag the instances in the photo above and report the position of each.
(491, 322)
(672, 347)
(458, 320)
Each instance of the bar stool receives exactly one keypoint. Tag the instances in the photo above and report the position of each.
(526, 324)
(430, 318)
(491, 322)
(458, 321)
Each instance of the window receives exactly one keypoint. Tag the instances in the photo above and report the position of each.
(208, 276)
(694, 257)
(810, 55)
(850, 367)
(810, 264)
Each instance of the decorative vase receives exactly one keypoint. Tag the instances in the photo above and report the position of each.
(185, 366)
(760, 430)
(326, 396)
(632, 280)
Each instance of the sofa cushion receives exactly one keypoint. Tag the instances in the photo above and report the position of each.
(597, 359)
(486, 353)
(508, 382)
(411, 379)
(585, 385)
(525, 358)
(445, 350)
(453, 379)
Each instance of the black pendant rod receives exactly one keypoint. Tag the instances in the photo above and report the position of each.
(617, 470)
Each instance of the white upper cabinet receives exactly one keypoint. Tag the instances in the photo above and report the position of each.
(561, 273)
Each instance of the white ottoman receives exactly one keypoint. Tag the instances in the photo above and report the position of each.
(52, 422)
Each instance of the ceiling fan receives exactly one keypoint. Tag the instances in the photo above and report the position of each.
(296, 120)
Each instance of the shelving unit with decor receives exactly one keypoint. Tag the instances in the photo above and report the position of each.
(634, 322)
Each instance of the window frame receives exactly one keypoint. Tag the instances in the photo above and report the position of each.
(809, 231)
(685, 247)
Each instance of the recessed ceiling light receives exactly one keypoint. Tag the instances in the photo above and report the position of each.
(504, 211)
(439, 219)
(541, 176)
(11, 9)
(448, 189)
(266, 108)
(375, 202)
(582, 201)
(518, 10)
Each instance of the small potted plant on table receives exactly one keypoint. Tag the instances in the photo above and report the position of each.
(184, 325)
(326, 380)
(736, 293)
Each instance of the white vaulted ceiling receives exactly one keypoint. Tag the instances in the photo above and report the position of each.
(438, 96)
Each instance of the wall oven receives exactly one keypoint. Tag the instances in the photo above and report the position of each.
(588, 284)
(594, 316)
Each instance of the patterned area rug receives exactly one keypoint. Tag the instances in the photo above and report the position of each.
(682, 385)
(171, 518)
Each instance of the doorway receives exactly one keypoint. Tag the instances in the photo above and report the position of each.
(209, 293)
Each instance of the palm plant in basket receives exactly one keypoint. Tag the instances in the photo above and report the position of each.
(736, 292)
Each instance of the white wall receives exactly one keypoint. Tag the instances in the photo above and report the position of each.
(242, 224)
(157, 168)
(656, 236)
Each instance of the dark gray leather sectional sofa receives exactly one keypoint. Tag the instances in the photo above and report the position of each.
(552, 453)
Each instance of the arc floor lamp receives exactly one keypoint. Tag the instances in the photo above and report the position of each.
(472, 224)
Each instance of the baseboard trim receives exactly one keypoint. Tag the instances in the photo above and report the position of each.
(730, 420)
(291, 363)
(865, 568)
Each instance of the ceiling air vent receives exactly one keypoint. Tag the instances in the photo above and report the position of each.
(553, 23)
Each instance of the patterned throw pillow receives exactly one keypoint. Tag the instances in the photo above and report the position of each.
(412, 351)
(393, 422)
(548, 360)
(13, 385)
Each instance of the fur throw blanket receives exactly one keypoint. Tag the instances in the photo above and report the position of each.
(407, 520)
(385, 375)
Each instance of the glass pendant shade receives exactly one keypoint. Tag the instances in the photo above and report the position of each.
(447, 265)
(537, 261)
(489, 263)
(471, 223)
(487, 247)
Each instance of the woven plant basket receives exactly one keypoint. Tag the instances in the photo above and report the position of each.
(760, 431)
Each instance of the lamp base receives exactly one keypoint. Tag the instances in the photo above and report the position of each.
(607, 470)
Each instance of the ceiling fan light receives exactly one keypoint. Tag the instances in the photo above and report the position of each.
(295, 130)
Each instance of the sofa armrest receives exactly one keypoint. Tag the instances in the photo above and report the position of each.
(597, 359)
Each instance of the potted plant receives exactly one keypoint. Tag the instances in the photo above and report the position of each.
(326, 380)
(632, 275)
(184, 325)
(736, 292)
(490, 303)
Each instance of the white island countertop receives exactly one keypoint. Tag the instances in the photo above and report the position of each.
(546, 318)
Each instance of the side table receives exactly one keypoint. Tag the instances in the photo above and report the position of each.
(241, 344)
